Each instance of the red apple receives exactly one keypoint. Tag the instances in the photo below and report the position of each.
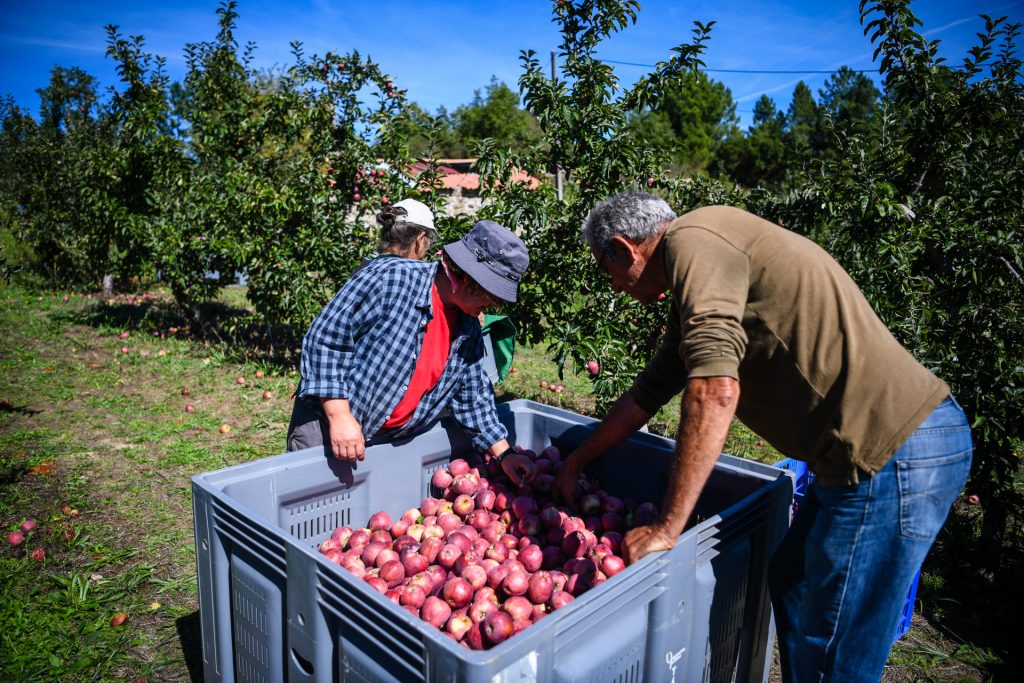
(515, 583)
(458, 625)
(118, 619)
(479, 610)
(379, 521)
(593, 367)
(475, 574)
(463, 505)
(28, 526)
(435, 611)
(378, 584)
(412, 595)
(497, 626)
(240, 380)
(189, 408)
(267, 394)
(342, 535)
(441, 480)
(392, 572)
(485, 499)
(540, 588)
(449, 555)
(532, 557)
(457, 592)
(612, 565)
(560, 599)
(38, 555)
(458, 466)
(518, 607)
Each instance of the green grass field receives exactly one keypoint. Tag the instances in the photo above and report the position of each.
(97, 446)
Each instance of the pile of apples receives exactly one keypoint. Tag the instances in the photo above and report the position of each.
(485, 559)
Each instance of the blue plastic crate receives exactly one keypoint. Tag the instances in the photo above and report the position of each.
(804, 478)
(273, 608)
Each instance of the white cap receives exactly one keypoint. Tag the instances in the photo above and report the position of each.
(417, 212)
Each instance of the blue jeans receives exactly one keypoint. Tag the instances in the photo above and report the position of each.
(840, 577)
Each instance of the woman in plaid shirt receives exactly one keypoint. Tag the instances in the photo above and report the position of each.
(401, 342)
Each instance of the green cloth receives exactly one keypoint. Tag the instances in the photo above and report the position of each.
(503, 340)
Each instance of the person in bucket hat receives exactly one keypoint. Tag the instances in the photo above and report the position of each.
(401, 343)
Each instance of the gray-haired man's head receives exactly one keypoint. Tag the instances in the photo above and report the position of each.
(636, 216)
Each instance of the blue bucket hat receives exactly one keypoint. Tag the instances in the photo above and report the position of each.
(493, 256)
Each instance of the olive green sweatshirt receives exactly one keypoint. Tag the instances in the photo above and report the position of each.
(821, 377)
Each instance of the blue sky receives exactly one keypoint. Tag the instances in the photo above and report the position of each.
(442, 51)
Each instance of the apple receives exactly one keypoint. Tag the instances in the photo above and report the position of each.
(463, 505)
(225, 428)
(267, 395)
(259, 374)
(392, 572)
(497, 626)
(457, 592)
(28, 526)
(448, 555)
(370, 552)
(560, 599)
(480, 609)
(441, 480)
(240, 380)
(612, 565)
(341, 535)
(435, 611)
(379, 521)
(118, 619)
(185, 391)
(575, 544)
(485, 499)
(386, 555)
(358, 539)
(496, 577)
(413, 596)
(466, 484)
(460, 540)
(515, 583)
(532, 557)
(458, 466)
(593, 367)
(458, 625)
(475, 574)
(189, 408)
(518, 607)
(378, 584)
(540, 588)
(15, 538)
(524, 505)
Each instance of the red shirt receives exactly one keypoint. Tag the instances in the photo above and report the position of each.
(437, 343)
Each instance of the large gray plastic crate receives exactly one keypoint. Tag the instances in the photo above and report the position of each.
(274, 609)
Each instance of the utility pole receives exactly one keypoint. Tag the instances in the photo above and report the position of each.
(558, 169)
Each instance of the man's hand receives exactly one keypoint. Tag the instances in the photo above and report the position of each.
(644, 540)
(519, 468)
(347, 442)
(565, 480)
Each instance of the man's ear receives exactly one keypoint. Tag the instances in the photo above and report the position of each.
(623, 248)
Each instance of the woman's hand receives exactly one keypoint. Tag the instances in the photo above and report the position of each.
(519, 468)
(347, 442)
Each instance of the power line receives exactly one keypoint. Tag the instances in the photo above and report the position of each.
(751, 71)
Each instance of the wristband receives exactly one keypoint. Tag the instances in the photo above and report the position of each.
(501, 456)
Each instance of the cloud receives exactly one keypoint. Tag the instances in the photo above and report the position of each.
(93, 46)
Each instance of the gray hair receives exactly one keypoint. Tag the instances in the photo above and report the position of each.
(636, 216)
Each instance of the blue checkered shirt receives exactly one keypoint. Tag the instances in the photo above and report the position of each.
(364, 344)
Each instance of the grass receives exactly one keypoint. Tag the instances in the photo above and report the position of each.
(96, 445)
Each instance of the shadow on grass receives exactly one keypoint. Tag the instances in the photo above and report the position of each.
(190, 635)
(242, 333)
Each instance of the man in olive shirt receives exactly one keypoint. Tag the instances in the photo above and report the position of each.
(767, 327)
